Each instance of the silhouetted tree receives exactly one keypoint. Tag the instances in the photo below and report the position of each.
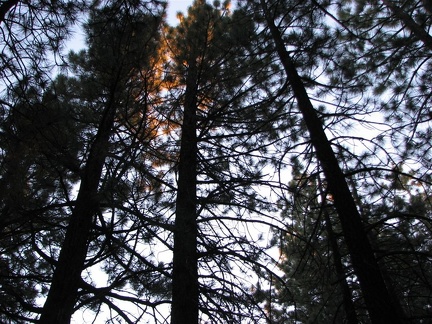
(118, 49)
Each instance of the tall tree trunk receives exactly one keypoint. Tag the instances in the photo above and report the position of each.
(377, 298)
(351, 315)
(66, 281)
(372, 236)
(410, 23)
(185, 292)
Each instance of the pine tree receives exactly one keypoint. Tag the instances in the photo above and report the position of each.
(117, 53)
(196, 143)
(317, 285)
(393, 56)
(37, 176)
(380, 303)
(33, 36)
(222, 127)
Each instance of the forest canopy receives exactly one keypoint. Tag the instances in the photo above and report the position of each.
(264, 161)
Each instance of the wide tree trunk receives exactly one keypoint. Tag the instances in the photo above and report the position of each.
(62, 295)
(185, 293)
(379, 303)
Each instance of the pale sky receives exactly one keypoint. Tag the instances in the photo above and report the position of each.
(76, 42)
(175, 6)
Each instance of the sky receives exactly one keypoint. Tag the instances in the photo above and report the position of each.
(175, 6)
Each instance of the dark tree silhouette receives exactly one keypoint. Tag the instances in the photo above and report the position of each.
(113, 57)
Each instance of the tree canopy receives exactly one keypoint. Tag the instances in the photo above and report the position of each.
(261, 161)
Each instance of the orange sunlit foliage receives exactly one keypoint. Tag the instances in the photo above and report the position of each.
(157, 90)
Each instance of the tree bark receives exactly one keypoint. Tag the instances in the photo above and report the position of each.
(351, 315)
(377, 298)
(410, 23)
(62, 295)
(185, 290)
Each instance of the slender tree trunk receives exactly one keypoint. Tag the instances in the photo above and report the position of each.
(372, 236)
(377, 298)
(410, 23)
(62, 295)
(351, 315)
(185, 293)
